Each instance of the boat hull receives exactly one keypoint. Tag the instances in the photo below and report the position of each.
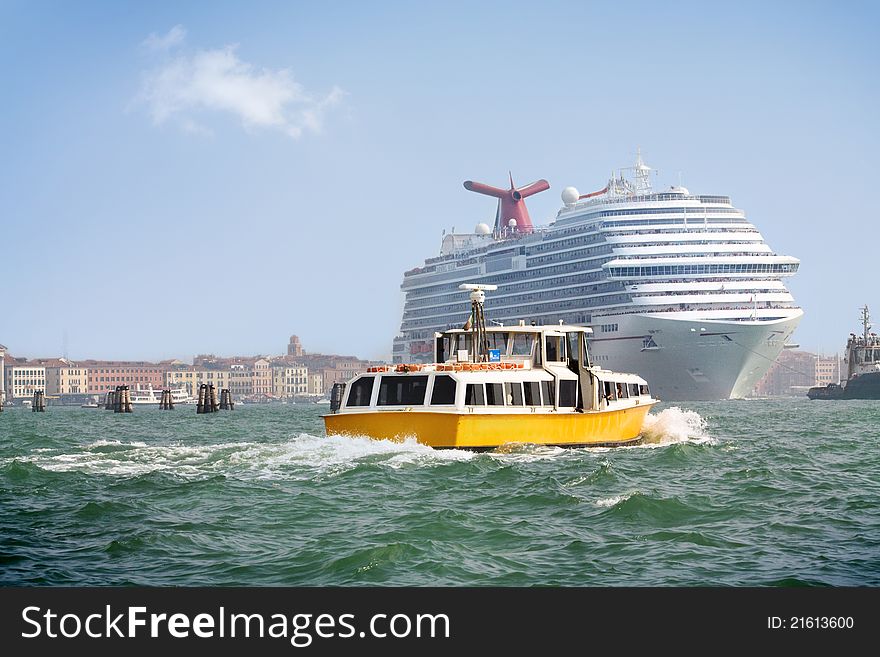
(491, 430)
(694, 359)
(862, 386)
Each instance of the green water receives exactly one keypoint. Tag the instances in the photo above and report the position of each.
(729, 493)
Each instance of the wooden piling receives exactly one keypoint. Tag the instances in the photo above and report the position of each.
(226, 400)
(38, 404)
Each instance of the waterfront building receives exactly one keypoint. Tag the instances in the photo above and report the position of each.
(262, 377)
(793, 373)
(316, 383)
(105, 375)
(289, 380)
(241, 381)
(64, 377)
(23, 378)
(190, 379)
(2, 374)
(828, 370)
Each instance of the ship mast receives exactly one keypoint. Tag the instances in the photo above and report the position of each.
(866, 325)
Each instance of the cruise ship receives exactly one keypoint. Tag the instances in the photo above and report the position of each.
(677, 287)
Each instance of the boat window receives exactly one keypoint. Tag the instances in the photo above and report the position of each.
(494, 394)
(444, 349)
(621, 390)
(361, 391)
(497, 340)
(573, 351)
(532, 393)
(643, 389)
(633, 389)
(464, 342)
(402, 390)
(474, 395)
(555, 348)
(586, 350)
(609, 391)
(522, 344)
(513, 392)
(548, 390)
(444, 390)
(567, 392)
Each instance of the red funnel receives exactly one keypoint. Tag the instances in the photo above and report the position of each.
(511, 202)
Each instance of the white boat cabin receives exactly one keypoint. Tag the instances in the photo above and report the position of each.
(538, 369)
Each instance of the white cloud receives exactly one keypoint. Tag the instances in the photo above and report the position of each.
(188, 86)
(175, 37)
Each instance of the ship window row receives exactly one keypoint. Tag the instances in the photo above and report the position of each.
(510, 277)
(713, 243)
(636, 257)
(671, 221)
(497, 302)
(655, 294)
(558, 244)
(635, 212)
(413, 301)
(690, 230)
(589, 253)
(521, 312)
(457, 273)
(679, 270)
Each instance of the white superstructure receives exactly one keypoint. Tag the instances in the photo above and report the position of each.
(677, 287)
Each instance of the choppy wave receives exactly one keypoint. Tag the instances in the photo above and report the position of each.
(261, 497)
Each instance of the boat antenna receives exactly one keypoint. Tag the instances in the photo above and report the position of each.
(866, 322)
(477, 319)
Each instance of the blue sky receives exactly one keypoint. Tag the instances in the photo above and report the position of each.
(181, 178)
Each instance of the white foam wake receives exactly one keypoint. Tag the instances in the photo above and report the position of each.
(303, 456)
(674, 425)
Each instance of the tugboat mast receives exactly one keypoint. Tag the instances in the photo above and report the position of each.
(866, 325)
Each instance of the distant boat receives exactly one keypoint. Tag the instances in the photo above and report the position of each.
(148, 397)
(323, 402)
(90, 404)
(862, 367)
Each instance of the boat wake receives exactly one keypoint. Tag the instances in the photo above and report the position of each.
(302, 457)
(307, 456)
(674, 425)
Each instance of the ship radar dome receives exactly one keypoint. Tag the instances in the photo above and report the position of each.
(512, 223)
(482, 229)
(678, 189)
(570, 195)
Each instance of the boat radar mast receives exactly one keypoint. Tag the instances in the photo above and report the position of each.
(477, 320)
(866, 323)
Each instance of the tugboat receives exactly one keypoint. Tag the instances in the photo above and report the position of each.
(862, 358)
(489, 387)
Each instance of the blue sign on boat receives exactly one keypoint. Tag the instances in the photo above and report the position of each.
(494, 355)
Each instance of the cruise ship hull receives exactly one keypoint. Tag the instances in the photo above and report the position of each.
(686, 359)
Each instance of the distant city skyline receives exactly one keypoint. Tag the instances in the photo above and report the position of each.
(185, 179)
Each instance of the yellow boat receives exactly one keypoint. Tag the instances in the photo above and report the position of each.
(495, 386)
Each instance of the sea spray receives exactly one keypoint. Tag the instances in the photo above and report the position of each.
(674, 425)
